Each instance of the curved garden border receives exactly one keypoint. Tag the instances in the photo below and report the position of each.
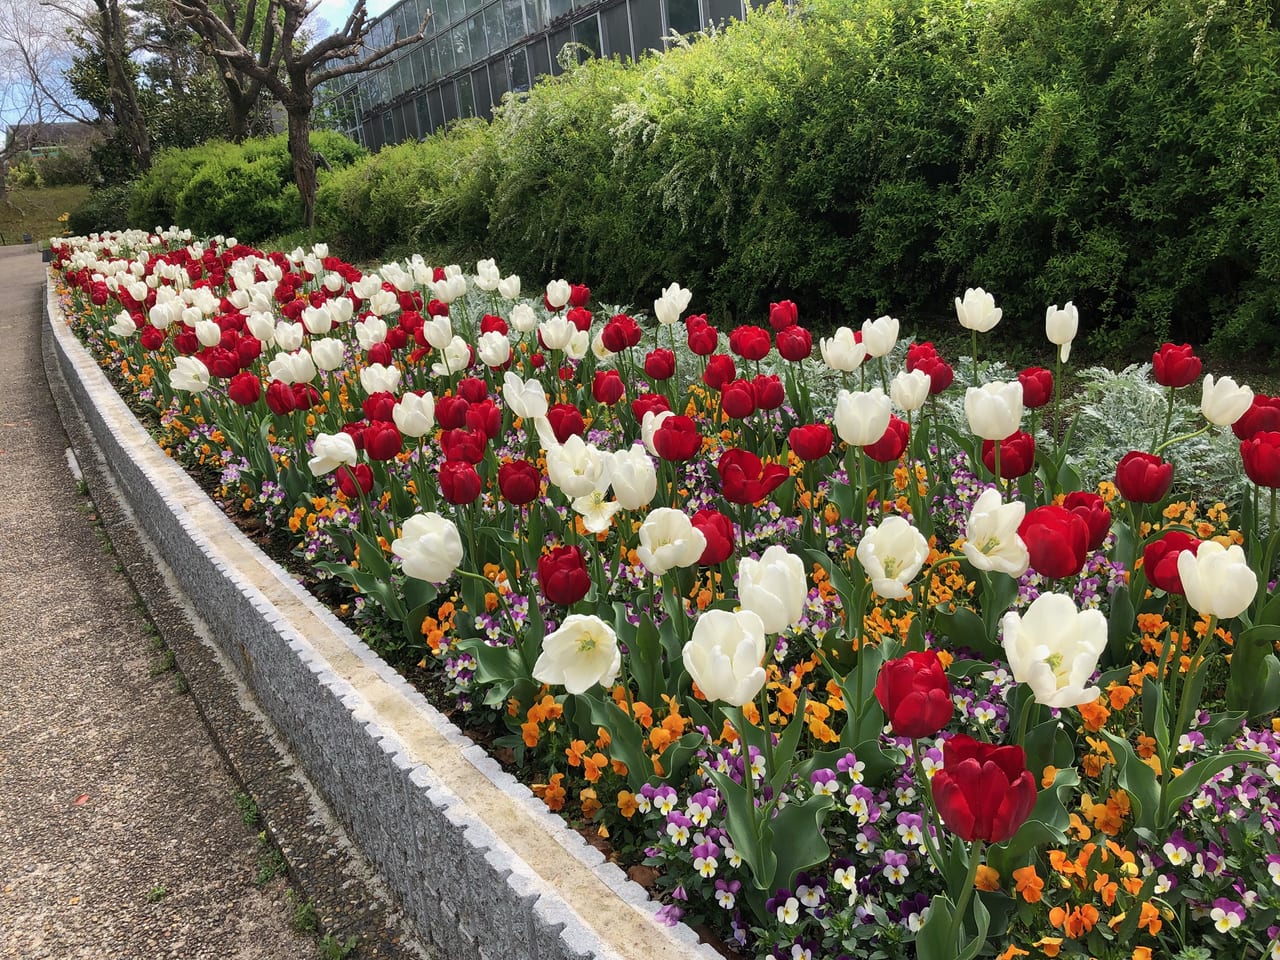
(481, 867)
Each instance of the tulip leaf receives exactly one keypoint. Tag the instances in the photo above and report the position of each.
(933, 941)
(966, 629)
(999, 591)
(1195, 776)
(419, 593)
(1154, 719)
(1120, 624)
(1047, 744)
(372, 558)
(1270, 612)
(746, 825)
(1138, 780)
(1254, 684)
(1047, 822)
(799, 839)
(627, 739)
(784, 750)
(677, 756)
(644, 652)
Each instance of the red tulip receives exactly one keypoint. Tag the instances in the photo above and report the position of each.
(580, 318)
(983, 791)
(467, 446)
(378, 406)
(451, 412)
(1175, 366)
(720, 370)
(890, 446)
(485, 417)
(924, 357)
(565, 419)
(1263, 414)
(795, 343)
(738, 399)
(1056, 539)
(703, 338)
(750, 343)
(493, 324)
(1037, 387)
(660, 364)
(607, 387)
(280, 398)
(244, 389)
(677, 439)
(248, 349)
(915, 694)
(459, 481)
(152, 337)
(562, 572)
(1017, 455)
(352, 480)
(718, 530)
(646, 402)
(745, 478)
(1160, 559)
(620, 332)
(186, 342)
(579, 294)
(437, 308)
(473, 389)
(1261, 456)
(396, 338)
(783, 315)
(380, 353)
(519, 482)
(382, 440)
(355, 430)
(1143, 477)
(769, 391)
(1092, 509)
(812, 441)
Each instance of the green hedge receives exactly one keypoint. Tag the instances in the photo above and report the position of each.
(866, 156)
(242, 189)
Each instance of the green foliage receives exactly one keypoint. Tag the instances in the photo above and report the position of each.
(23, 173)
(68, 166)
(244, 189)
(105, 208)
(882, 155)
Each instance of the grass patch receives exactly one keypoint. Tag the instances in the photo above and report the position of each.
(35, 211)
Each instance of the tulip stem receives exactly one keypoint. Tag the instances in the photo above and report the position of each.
(1168, 419)
(1024, 717)
(974, 334)
(926, 790)
(1057, 413)
(1186, 436)
(957, 920)
(768, 731)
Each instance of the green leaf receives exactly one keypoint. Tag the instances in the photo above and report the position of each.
(1048, 820)
(372, 558)
(627, 739)
(1138, 780)
(966, 629)
(1194, 777)
(644, 653)
(1254, 684)
(751, 836)
(799, 841)
(933, 942)
(1120, 624)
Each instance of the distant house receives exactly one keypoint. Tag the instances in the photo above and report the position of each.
(45, 138)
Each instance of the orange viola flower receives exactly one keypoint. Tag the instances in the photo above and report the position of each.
(1146, 746)
(660, 738)
(1028, 883)
(627, 804)
(530, 733)
(1076, 923)
(551, 793)
(1094, 715)
(1141, 953)
(593, 766)
(575, 752)
(1119, 695)
(1049, 946)
(987, 878)
(590, 802)
(1012, 951)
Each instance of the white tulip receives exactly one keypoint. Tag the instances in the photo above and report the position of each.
(189, 374)
(333, 282)
(1060, 326)
(558, 293)
(581, 653)
(842, 351)
(649, 426)
(862, 418)
(1054, 649)
(455, 357)
(891, 554)
(579, 468)
(371, 332)
(378, 378)
(523, 318)
(289, 335)
(579, 344)
(429, 547)
(724, 656)
(124, 327)
(1217, 580)
(327, 353)
(262, 326)
(509, 287)
(673, 302)
(437, 331)
(383, 303)
(191, 315)
(414, 415)
(596, 511)
(340, 309)
(556, 333)
(296, 367)
(669, 539)
(525, 398)
(367, 286)
(774, 588)
(879, 336)
(208, 333)
(487, 275)
(994, 409)
(978, 311)
(1224, 402)
(910, 389)
(635, 479)
(991, 535)
(330, 451)
(493, 348)
(317, 320)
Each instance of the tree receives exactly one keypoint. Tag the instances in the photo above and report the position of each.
(287, 67)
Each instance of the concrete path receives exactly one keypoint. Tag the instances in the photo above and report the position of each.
(119, 834)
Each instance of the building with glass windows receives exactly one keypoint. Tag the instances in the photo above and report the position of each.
(475, 51)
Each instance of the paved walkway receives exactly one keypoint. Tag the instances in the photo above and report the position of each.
(119, 835)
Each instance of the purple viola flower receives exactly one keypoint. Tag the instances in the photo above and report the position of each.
(895, 867)
(823, 782)
(704, 859)
(1226, 914)
(727, 893)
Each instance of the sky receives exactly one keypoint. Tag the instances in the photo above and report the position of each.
(335, 12)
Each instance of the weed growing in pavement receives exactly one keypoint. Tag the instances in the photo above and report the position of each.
(331, 948)
(157, 893)
(248, 808)
(270, 861)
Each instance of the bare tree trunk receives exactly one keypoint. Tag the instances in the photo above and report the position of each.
(304, 161)
(124, 100)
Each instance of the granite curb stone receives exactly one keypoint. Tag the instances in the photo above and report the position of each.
(494, 875)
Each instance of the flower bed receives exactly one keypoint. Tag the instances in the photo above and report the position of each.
(1008, 717)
